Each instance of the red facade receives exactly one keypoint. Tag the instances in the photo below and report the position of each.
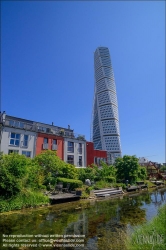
(92, 153)
(50, 139)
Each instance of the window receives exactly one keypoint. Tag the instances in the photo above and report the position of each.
(26, 153)
(54, 142)
(70, 159)
(80, 161)
(45, 143)
(13, 151)
(25, 141)
(43, 129)
(70, 147)
(19, 124)
(11, 123)
(45, 140)
(95, 160)
(80, 148)
(16, 124)
(14, 139)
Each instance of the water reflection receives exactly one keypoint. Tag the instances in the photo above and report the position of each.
(158, 197)
(103, 223)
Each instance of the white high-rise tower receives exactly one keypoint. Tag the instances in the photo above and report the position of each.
(105, 120)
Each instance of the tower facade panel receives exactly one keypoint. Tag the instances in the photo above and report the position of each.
(105, 118)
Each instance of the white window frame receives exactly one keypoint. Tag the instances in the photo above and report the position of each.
(24, 152)
(14, 151)
(15, 139)
(69, 161)
(25, 146)
(80, 159)
(80, 148)
(70, 148)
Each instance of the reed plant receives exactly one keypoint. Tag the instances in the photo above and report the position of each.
(151, 235)
(25, 199)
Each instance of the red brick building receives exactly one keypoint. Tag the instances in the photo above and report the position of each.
(53, 142)
(94, 156)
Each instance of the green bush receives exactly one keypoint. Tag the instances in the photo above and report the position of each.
(52, 166)
(123, 185)
(128, 168)
(73, 183)
(87, 173)
(26, 198)
(36, 177)
(110, 179)
(13, 174)
(102, 184)
(68, 171)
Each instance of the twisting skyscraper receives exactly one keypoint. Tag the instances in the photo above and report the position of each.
(105, 121)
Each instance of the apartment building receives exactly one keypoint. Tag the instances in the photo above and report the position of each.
(75, 150)
(17, 135)
(95, 156)
(30, 138)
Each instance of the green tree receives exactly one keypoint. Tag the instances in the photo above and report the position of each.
(163, 168)
(53, 167)
(48, 161)
(142, 173)
(36, 176)
(107, 173)
(129, 169)
(68, 171)
(13, 174)
(90, 173)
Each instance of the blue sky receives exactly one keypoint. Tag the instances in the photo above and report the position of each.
(47, 71)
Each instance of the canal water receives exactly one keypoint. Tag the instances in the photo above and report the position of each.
(85, 224)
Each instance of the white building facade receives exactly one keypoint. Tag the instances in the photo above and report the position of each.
(75, 152)
(15, 138)
(105, 132)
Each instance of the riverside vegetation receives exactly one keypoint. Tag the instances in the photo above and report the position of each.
(151, 235)
(23, 181)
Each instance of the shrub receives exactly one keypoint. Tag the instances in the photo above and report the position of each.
(73, 183)
(110, 179)
(24, 199)
(36, 176)
(85, 173)
(68, 171)
(50, 163)
(123, 185)
(13, 174)
(102, 184)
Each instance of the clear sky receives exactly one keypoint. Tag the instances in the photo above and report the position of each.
(47, 70)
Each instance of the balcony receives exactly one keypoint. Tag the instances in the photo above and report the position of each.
(45, 145)
(20, 125)
(37, 127)
(54, 147)
(74, 136)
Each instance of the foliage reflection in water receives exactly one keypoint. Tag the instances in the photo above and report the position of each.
(103, 222)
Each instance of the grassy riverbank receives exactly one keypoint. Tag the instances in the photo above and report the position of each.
(151, 235)
(24, 180)
(25, 199)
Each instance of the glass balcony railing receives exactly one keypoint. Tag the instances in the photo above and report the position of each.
(37, 127)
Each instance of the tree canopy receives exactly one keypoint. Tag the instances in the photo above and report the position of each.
(129, 169)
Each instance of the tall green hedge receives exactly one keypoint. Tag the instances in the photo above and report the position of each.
(73, 183)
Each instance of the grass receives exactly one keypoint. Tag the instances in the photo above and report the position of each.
(25, 199)
(150, 184)
(151, 235)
